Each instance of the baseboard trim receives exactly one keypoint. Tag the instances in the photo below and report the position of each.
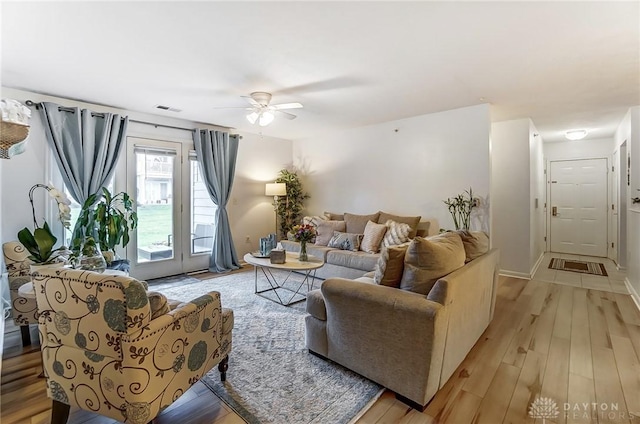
(514, 274)
(536, 266)
(634, 294)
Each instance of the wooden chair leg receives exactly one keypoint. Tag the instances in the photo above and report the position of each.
(223, 366)
(59, 412)
(26, 335)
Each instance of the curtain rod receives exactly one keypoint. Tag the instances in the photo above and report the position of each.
(69, 109)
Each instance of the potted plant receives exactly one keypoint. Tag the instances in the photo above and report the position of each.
(460, 209)
(290, 211)
(107, 219)
(40, 244)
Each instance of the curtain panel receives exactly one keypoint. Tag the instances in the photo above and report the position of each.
(217, 152)
(85, 144)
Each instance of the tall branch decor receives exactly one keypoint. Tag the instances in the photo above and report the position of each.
(460, 209)
(290, 210)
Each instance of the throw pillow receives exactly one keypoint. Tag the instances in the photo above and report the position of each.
(313, 220)
(428, 259)
(390, 266)
(476, 243)
(397, 233)
(345, 241)
(412, 221)
(373, 235)
(356, 223)
(334, 216)
(325, 230)
(158, 304)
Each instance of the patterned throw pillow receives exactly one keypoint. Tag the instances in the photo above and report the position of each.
(390, 265)
(413, 221)
(345, 241)
(314, 221)
(325, 231)
(373, 235)
(397, 233)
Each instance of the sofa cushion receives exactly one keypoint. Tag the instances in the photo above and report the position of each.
(356, 260)
(390, 266)
(319, 252)
(357, 223)
(373, 235)
(334, 216)
(345, 241)
(476, 243)
(325, 231)
(428, 259)
(315, 305)
(397, 233)
(412, 221)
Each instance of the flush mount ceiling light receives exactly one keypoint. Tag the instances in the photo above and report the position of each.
(576, 134)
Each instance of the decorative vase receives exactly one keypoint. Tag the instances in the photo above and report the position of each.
(91, 258)
(303, 252)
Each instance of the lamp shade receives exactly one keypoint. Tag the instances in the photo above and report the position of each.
(275, 189)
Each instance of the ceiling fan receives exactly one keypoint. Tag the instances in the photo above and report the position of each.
(263, 113)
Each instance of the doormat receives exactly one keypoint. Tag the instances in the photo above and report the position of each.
(583, 267)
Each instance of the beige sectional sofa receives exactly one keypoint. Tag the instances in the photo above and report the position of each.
(353, 264)
(407, 341)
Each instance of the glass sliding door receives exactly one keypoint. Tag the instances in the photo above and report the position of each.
(154, 180)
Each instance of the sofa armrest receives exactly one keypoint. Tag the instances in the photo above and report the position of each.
(391, 336)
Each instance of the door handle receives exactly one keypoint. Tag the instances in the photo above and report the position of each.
(554, 211)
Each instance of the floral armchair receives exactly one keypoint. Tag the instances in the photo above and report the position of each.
(102, 351)
(24, 310)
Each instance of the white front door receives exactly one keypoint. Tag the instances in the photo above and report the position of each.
(578, 213)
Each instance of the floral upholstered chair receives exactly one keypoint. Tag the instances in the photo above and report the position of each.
(24, 310)
(106, 351)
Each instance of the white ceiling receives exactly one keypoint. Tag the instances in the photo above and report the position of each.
(565, 65)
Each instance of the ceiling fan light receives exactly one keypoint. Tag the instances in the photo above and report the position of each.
(252, 117)
(266, 118)
(576, 134)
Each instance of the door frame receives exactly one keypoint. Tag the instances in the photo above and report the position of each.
(548, 195)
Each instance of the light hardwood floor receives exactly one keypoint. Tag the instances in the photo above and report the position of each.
(572, 344)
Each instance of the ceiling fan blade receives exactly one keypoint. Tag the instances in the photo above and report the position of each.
(286, 115)
(286, 106)
(233, 107)
(251, 101)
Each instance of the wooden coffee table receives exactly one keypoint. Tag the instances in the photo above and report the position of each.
(308, 269)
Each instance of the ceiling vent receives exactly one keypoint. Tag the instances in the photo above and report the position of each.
(169, 108)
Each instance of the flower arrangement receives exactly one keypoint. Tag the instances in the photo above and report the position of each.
(304, 232)
(40, 243)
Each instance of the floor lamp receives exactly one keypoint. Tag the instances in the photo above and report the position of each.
(276, 190)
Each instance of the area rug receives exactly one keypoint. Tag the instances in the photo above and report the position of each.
(272, 378)
(583, 267)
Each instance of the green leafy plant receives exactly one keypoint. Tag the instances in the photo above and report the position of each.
(107, 218)
(40, 244)
(460, 209)
(290, 210)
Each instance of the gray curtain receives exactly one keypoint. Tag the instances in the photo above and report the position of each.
(86, 146)
(217, 152)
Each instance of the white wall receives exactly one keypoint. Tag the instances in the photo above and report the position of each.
(579, 149)
(259, 159)
(511, 175)
(629, 130)
(537, 186)
(406, 167)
